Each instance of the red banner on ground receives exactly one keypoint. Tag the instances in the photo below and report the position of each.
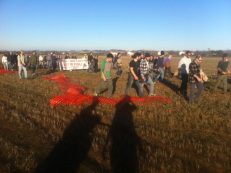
(73, 94)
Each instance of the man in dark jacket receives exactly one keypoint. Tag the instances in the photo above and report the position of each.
(53, 62)
(222, 72)
(34, 62)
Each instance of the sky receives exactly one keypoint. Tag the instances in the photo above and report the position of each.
(115, 24)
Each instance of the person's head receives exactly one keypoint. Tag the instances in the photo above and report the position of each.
(142, 56)
(162, 53)
(188, 53)
(198, 59)
(147, 56)
(225, 57)
(136, 56)
(34, 52)
(109, 57)
(21, 52)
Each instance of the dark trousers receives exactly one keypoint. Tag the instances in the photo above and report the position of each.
(105, 85)
(33, 67)
(168, 72)
(54, 65)
(137, 83)
(194, 95)
(184, 84)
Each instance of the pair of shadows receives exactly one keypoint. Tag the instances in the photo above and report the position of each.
(71, 151)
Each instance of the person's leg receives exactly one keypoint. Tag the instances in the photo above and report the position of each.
(166, 73)
(183, 88)
(192, 92)
(102, 86)
(9, 66)
(25, 72)
(20, 72)
(5, 66)
(33, 69)
(161, 73)
(157, 76)
(150, 86)
(219, 80)
(140, 88)
(200, 89)
(129, 83)
(225, 82)
(110, 87)
(60, 67)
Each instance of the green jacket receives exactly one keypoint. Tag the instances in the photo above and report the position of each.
(33, 60)
(106, 68)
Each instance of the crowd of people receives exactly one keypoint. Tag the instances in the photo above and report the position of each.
(144, 70)
(51, 61)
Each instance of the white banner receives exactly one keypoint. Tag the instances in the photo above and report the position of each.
(75, 64)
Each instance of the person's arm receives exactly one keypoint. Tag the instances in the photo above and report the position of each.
(219, 69)
(133, 73)
(180, 63)
(198, 78)
(193, 70)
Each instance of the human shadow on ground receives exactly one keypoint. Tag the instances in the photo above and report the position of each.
(170, 85)
(123, 141)
(73, 148)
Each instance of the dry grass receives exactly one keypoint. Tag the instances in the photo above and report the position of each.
(171, 138)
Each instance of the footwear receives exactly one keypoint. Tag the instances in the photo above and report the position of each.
(95, 94)
(151, 95)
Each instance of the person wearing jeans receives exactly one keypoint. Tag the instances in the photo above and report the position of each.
(160, 65)
(145, 74)
(21, 65)
(195, 80)
(183, 67)
(133, 76)
(132, 80)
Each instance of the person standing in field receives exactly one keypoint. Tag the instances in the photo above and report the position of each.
(222, 72)
(145, 74)
(106, 80)
(34, 62)
(160, 65)
(54, 62)
(183, 67)
(48, 59)
(195, 79)
(41, 61)
(134, 75)
(5, 62)
(21, 65)
(167, 66)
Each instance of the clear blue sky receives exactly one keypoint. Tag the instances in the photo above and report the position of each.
(115, 24)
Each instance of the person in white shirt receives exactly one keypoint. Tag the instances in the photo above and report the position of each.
(21, 65)
(183, 67)
(41, 61)
(5, 62)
